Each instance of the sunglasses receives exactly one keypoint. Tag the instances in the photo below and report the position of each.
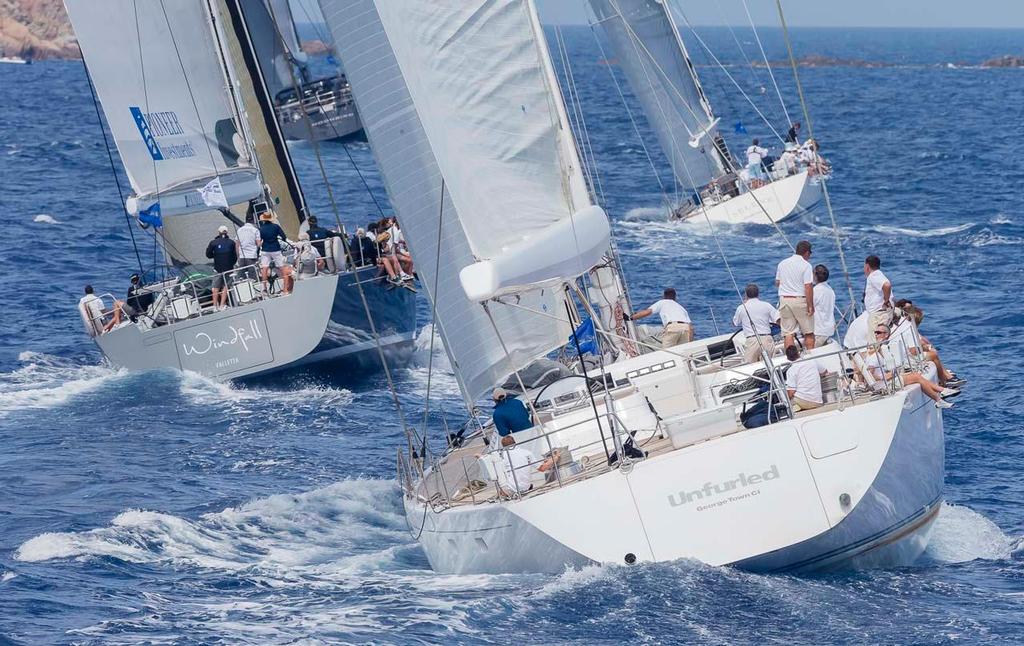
(880, 332)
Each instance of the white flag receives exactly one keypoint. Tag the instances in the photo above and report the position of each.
(213, 194)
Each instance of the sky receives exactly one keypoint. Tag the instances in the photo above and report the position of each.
(827, 13)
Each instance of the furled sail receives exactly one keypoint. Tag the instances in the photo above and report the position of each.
(463, 91)
(272, 27)
(165, 96)
(654, 59)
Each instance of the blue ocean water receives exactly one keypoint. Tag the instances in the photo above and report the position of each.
(166, 508)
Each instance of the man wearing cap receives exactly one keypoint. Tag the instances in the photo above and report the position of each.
(318, 236)
(271, 236)
(222, 250)
(510, 413)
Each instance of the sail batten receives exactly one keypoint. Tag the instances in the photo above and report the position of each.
(457, 90)
(654, 59)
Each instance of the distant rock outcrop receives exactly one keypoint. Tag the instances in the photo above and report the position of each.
(1005, 61)
(36, 29)
(817, 60)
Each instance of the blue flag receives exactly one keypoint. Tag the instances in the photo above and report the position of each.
(332, 60)
(587, 338)
(740, 130)
(151, 215)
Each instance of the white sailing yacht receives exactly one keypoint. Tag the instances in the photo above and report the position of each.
(645, 456)
(183, 94)
(652, 54)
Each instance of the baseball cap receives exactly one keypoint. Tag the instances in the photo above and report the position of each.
(222, 229)
(499, 393)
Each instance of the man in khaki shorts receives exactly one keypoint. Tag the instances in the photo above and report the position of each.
(674, 317)
(795, 279)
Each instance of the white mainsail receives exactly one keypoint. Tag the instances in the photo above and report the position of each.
(654, 59)
(463, 91)
(165, 96)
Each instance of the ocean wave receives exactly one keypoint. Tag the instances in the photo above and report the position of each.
(920, 233)
(961, 534)
(203, 390)
(7, 576)
(46, 381)
(44, 218)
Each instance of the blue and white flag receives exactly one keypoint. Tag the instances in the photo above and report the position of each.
(740, 129)
(213, 194)
(586, 337)
(151, 215)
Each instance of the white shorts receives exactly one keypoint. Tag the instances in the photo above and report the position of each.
(275, 257)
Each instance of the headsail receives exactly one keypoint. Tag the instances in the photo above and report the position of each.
(272, 27)
(654, 59)
(463, 91)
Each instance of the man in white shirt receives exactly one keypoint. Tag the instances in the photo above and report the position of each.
(755, 157)
(248, 243)
(674, 318)
(788, 161)
(756, 317)
(795, 280)
(858, 333)
(824, 307)
(90, 307)
(515, 463)
(803, 381)
(877, 293)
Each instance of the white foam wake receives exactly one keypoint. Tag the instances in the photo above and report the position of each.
(205, 391)
(962, 534)
(46, 381)
(921, 233)
(45, 218)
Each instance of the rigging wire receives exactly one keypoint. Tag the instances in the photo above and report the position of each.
(110, 158)
(810, 135)
(768, 64)
(433, 313)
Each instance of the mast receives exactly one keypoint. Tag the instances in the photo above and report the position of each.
(276, 166)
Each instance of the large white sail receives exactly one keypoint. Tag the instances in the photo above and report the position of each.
(654, 59)
(463, 91)
(164, 93)
(271, 25)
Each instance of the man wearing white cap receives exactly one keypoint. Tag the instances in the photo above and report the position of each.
(224, 254)
(510, 414)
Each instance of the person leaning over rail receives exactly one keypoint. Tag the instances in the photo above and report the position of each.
(795, 280)
(886, 366)
(510, 414)
(916, 315)
(803, 381)
(824, 307)
(756, 317)
(674, 318)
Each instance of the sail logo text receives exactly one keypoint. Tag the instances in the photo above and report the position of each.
(153, 125)
(710, 490)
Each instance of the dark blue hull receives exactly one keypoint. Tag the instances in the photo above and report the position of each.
(349, 346)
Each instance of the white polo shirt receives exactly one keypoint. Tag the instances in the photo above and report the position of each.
(755, 154)
(756, 317)
(805, 379)
(874, 300)
(248, 241)
(824, 310)
(902, 340)
(793, 273)
(516, 460)
(670, 312)
(857, 332)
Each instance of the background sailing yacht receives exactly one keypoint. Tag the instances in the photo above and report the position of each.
(652, 53)
(184, 96)
(308, 108)
(468, 125)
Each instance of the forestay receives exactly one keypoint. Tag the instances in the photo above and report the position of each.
(164, 93)
(271, 25)
(462, 90)
(656, 64)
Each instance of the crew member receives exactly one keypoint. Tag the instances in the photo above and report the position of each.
(877, 293)
(803, 381)
(248, 244)
(222, 250)
(824, 307)
(756, 317)
(138, 301)
(674, 318)
(755, 159)
(795, 280)
(271, 237)
(318, 236)
(792, 134)
(510, 413)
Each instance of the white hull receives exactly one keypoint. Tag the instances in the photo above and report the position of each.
(775, 202)
(767, 499)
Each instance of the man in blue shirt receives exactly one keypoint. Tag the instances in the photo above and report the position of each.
(271, 237)
(510, 414)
